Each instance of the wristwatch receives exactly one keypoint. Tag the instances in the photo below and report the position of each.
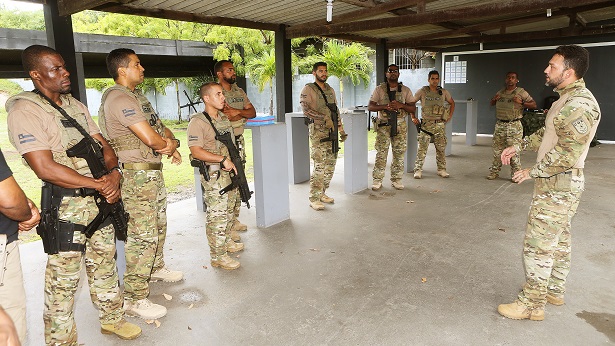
(118, 169)
(178, 142)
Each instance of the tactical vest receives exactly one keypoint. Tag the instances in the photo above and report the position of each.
(236, 99)
(433, 105)
(321, 104)
(70, 135)
(131, 141)
(223, 125)
(384, 99)
(506, 108)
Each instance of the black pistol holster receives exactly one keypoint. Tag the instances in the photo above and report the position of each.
(58, 235)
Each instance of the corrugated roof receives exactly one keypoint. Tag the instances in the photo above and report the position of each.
(402, 23)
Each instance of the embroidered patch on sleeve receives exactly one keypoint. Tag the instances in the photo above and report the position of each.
(129, 112)
(25, 138)
(580, 126)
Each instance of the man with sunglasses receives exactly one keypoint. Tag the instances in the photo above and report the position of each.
(134, 130)
(392, 101)
(434, 116)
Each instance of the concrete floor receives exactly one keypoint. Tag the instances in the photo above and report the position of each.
(424, 266)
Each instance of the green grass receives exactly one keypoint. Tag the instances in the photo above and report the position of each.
(10, 88)
(177, 178)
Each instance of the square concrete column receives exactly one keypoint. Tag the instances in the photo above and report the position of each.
(271, 191)
(413, 145)
(471, 122)
(355, 152)
(298, 137)
(448, 129)
(198, 191)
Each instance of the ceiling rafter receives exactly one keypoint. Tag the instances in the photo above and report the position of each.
(188, 17)
(511, 37)
(502, 25)
(435, 16)
(362, 13)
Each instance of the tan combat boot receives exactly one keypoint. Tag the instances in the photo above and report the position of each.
(317, 205)
(397, 185)
(520, 311)
(376, 185)
(167, 275)
(418, 174)
(555, 300)
(225, 262)
(144, 309)
(235, 236)
(233, 247)
(443, 173)
(326, 199)
(492, 176)
(123, 329)
(238, 226)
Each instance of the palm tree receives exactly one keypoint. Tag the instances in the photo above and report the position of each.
(348, 60)
(262, 71)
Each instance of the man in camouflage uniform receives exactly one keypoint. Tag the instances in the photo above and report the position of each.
(434, 117)
(17, 213)
(314, 99)
(401, 104)
(559, 181)
(128, 120)
(204, 147)
(41, 135)
(509, 103)
(237, 108)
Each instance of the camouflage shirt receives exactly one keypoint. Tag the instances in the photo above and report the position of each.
(569, 128)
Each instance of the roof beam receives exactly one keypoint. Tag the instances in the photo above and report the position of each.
(187, 17)
(360, 14)
(361, 3)
(519, 6)
(502, 25)
(69, 7)
(512, 37)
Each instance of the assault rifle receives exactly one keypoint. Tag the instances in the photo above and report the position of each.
(92, 153)
(237, 180)
(333, 133)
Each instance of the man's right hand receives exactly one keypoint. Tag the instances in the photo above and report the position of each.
(507, 154)
(36, 217)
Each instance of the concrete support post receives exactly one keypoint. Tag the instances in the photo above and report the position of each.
(60, 37)
(284, 75)
(449, 138)
(471, 122)
(299, 152)
(198, 191)
(355, 152)
(271, 190)
(413, 145)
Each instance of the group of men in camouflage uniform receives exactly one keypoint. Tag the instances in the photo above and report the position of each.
(47, 122)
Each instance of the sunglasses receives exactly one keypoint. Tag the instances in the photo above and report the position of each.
(393, 71)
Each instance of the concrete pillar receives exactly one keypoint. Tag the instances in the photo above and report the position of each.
(60, 37)
(284, 75)
(271, 190)
(355, 152)
(471, 122)
(413, 144)
(297, 136)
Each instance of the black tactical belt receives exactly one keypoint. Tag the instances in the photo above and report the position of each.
(509, 121)
(65, 192)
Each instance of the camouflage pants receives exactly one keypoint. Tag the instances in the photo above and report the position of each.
(546, 247)
(220, 212)
(145, 198)
(505, 135)
(399, 143)
(324, 161)
(237, 199)
(438, 130)
(63, 272)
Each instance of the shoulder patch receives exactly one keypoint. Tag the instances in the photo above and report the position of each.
(581, 126)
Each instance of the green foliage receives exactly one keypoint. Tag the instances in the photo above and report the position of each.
(99, 84)
(27, 20)
(10, 88)
(262, 72)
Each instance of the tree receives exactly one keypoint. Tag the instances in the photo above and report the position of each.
(348, 61)
(262, 71)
